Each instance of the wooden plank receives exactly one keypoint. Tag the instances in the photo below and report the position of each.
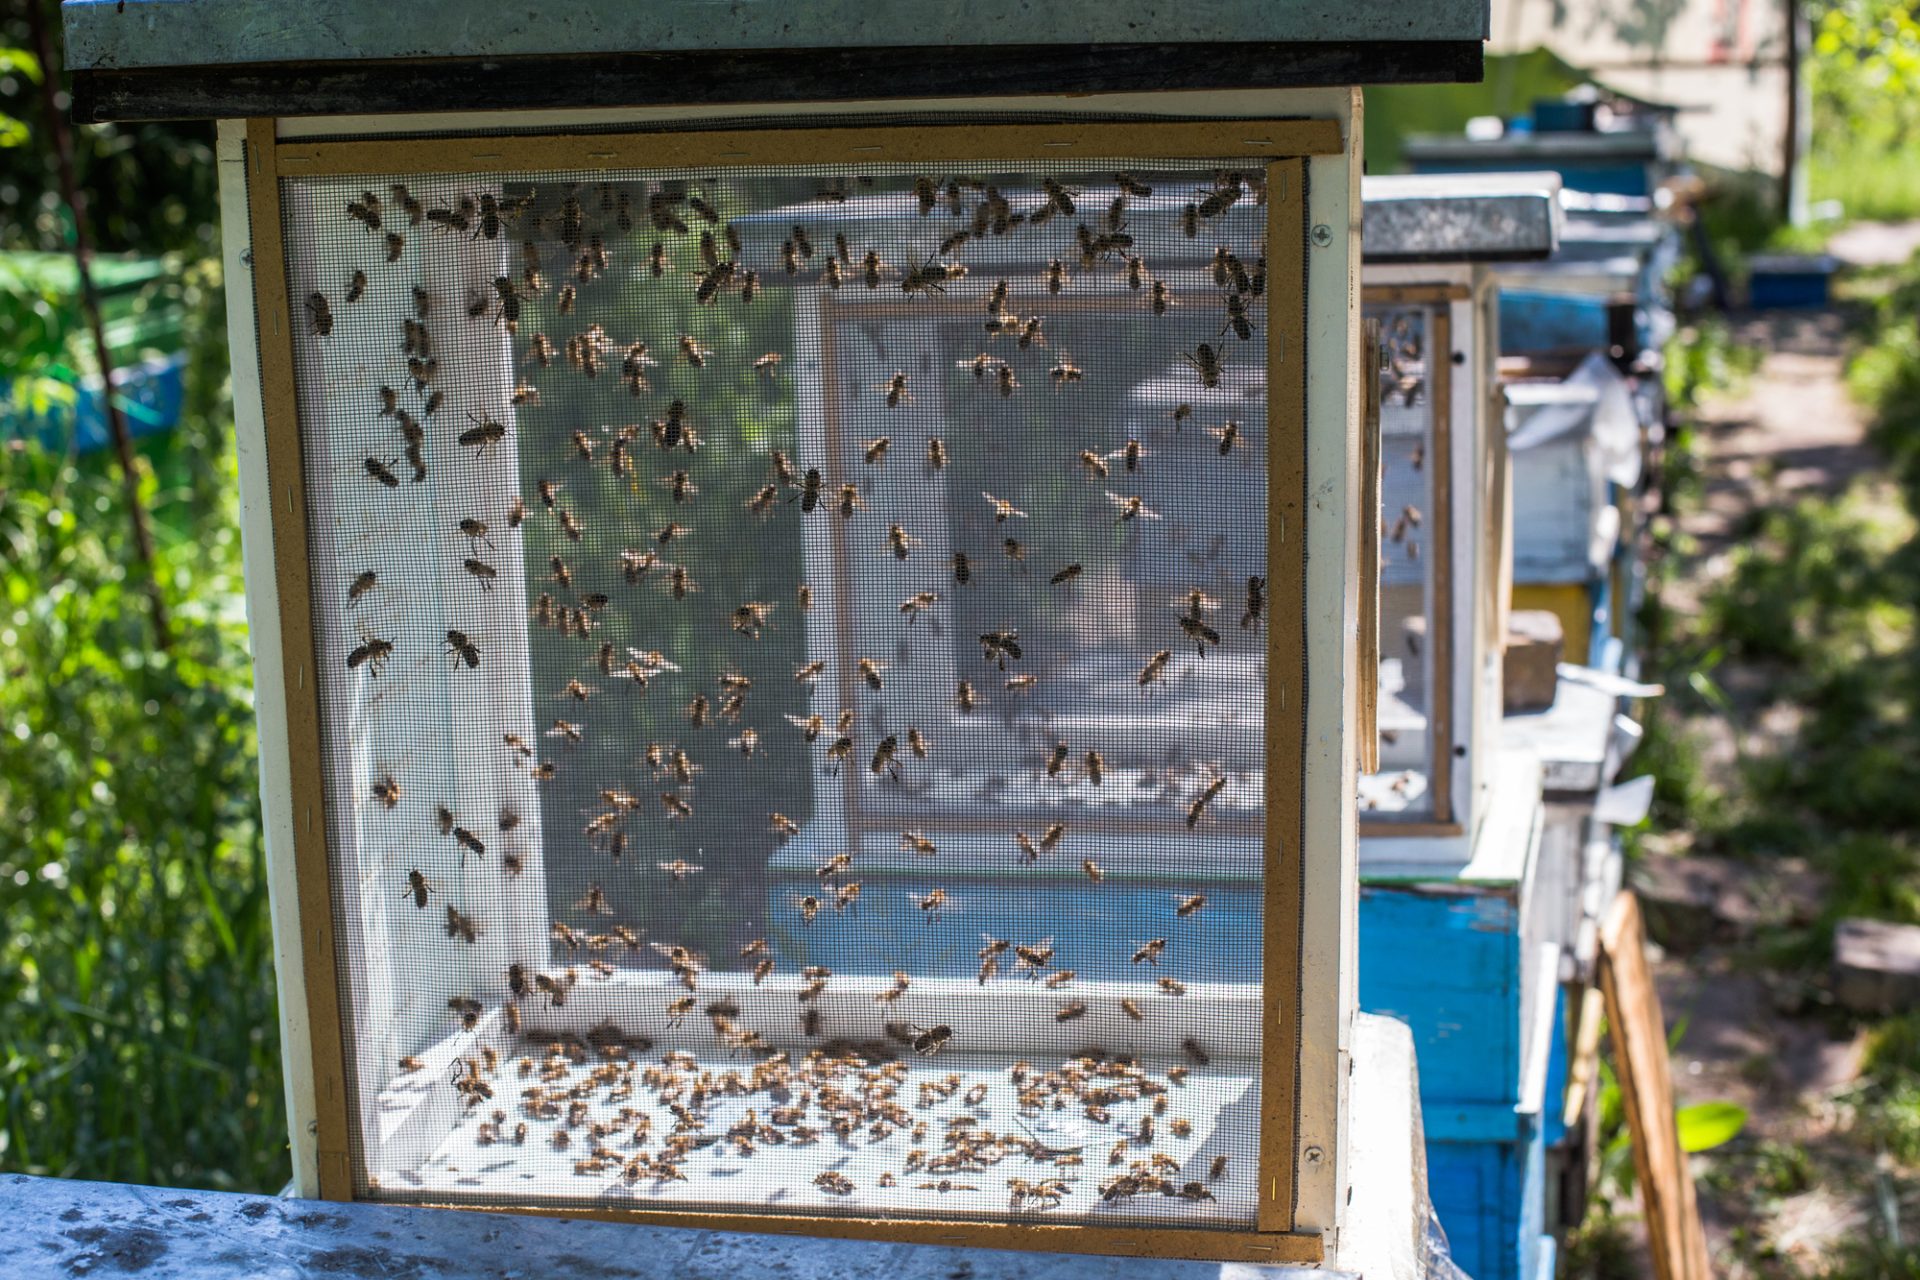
(286, 472)
(1440, 556)
(1639, 1035)
(1285, 720)
(836, 74)
(750, 148)
(1368, 657)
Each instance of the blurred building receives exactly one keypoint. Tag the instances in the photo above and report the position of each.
(1729, 64)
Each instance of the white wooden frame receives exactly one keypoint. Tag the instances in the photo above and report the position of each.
(1328, 860)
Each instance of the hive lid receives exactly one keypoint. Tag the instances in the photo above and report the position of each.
(1496, 217)
(150, 59)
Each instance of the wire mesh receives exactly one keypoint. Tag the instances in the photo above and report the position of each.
(1403, 785)
(792, 668)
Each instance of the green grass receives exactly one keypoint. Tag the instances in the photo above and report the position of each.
(1871, 183)
(139, 1037)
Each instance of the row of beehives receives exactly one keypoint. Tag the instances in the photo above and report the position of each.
(1480, 898)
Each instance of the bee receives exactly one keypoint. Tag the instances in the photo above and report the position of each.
(469, 842)
(1132, 507)
(1199, 632)
(463, 927)
(1092, 870)
(462, 649)
(1002, 509)
(900, 542)
(360, 586)
(1206, 362)
(931, 277)
(694, 354)
(356, 289)
(838, 752)
(373, 653)
(1159, 297)
(1130, 453)
(1200, 802)
(932, 903)
(834, 277)
(1150, 952)
(1095, 464)
(876, 450)
(962, 568)
(833, 1183)
(783, 826)
(1136, 272)
(1156, 667)
(871, 267)
(1237, 315)
(747, 743)
(809, 908)
(1051, 838)
(1256, 601)
(1057, 760)
(1014, 551)
(396, 244)
(1191, 905)
(482, 572)
(680, 582)
(896, 389)
(1065, 371)
(917, 743)
(1007, 382)
(928, 1041)
(1195, 1053)
(847, 895)
(383, 472)
(751, 618)
(1132, 1010)
(965, 698)
(1070, 1010)
(917, 842)
(387, 791)
(1022, 684)
(1056, 276)
(418, 887)
(998, 646)
(484, 433)
(676, 806)
(884, 756)
(809, 495)
(1029, 850)
(870, 670)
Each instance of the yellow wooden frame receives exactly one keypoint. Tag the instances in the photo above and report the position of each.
(1437, 299)
(1281, 146)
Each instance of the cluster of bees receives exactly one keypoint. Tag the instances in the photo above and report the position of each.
(844, 1092)
(593, 1099)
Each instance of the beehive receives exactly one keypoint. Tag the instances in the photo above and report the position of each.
(809, 693)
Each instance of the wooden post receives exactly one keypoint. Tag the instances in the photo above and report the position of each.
(90, 304)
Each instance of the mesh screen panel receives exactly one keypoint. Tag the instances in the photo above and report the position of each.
(1402, 787)
(792, 656)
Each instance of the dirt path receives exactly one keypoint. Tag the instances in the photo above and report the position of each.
(1792, 432)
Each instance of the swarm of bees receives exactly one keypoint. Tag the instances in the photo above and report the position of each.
(667, 549)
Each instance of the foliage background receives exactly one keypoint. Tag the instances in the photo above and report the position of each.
(138, 1032)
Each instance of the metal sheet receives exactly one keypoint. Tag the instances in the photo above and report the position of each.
(124, 34)
(1461, 217)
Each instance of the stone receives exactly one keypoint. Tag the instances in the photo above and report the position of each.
(1876, 966)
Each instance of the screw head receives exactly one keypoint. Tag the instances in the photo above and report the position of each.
(1322, 234)
(1314, 1155)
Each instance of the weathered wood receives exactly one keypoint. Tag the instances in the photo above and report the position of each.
(360, 87)
(1646, 1087)
(1530, 670)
